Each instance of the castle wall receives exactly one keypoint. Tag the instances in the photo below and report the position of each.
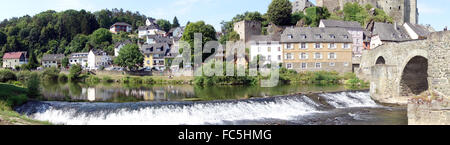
(400, 10)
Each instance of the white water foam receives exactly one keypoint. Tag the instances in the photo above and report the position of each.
(349, 99)
(196, 114)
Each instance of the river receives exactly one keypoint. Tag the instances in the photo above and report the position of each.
(115, 104)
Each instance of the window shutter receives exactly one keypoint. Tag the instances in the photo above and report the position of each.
(329, 55)
(335, 55)
(329, 45)
(306, 55)
(321, 46)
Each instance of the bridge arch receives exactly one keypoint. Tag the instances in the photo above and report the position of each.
(414, 77)
(380, 60)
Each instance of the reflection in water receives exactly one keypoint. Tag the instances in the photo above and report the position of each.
(128, 93)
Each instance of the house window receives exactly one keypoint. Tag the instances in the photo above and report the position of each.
(289, 66)
(317, 45)
(303, 45)
(290, 36)
(289, 56)
(304, 65)
(279, 57)
(332, 36)
(269, 49)
(269, 58)
(318, 65)
(332, 64)
(288, 46)
(346, 45)
(318, 55)
(279, 48)
(346, 36)
(332, 55)
(304, 55)
(332, 46)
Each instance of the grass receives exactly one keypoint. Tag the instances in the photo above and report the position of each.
(10, 96)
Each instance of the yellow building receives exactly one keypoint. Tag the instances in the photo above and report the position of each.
(148, 60)
(317, 49)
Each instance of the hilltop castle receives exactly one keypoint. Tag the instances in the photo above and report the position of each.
(400, 10)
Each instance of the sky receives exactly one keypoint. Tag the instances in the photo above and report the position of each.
(434, 12)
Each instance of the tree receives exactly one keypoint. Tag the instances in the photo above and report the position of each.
(175, 23)
(315, 14)
(130, 57)
(75, 72)
(279, 12)
(208, 34)
(32, 85)
(232, 36)
(65, 62)
(32, 61)
(77, 44)
(99, 37)
(355, 12)
(164, 24)
(3, 38)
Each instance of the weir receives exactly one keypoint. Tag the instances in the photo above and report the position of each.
(265, 110)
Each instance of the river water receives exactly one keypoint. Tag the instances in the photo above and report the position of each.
(75, 104)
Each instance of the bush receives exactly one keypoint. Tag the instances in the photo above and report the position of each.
(107, 79)
(17, 100)
(62, 78)
(33, 84)
(148, 80)
(23, 75)
(51, 74)
(75, 72)
(92, 79)
(7, 75)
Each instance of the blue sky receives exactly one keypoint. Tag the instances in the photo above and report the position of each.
(434, 12)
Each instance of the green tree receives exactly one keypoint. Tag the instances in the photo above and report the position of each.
(279, 12)
(175, 23)
(100, 37)
(65, 62)
(130, 57)
(77, 44)
(32, 61)
(232, 36)
(208, 34)
(164, 24)
(75, 72)
(33, 84)
(355, 12)
(315, 14)
(3, 38)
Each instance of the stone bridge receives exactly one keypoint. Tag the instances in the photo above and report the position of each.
(399, 71)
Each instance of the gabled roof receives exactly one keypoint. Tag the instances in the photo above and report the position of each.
(352, 25)
(122, 43)
(143, 28)
(315, 34)
(52, 57)
(156, 48)
(121, 23)
(14, 55)
(266, 38)
(420, 30)
(390, 32)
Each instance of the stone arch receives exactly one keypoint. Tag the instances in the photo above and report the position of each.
(414, 77)
(380, 60)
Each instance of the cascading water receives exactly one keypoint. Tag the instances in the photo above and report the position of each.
(191, 113)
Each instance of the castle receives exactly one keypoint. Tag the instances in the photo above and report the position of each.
(401, 11)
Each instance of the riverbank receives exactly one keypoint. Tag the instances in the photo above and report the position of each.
(11, 96)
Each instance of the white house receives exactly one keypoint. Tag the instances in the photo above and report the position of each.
(151, 28)
(97, 59)
(119, 46)
(79, 58)
(52, 60)
(267, 48)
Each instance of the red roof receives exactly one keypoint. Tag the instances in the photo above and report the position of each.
(13, 55)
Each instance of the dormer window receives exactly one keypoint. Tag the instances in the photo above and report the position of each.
(303, 36)
(345, 36)
(290, 36)
(332, 36)
(318, 36)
